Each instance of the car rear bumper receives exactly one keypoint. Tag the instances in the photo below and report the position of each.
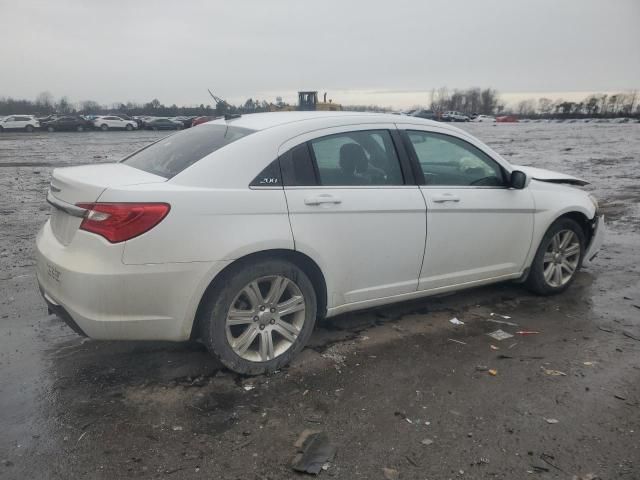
(102, 298)
(596, 241)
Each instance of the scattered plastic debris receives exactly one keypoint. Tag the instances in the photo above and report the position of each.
(493, 347)
(527, 332)
(456, 341)
(390, 473)
(455, 321)
(506, 317)
(589, 364)
(427, 441)
(553, 373)
(315, 452)
(177, 428)
(249, 387)
(502, 322)
(403, 416)
(493, 372)
(551, 420)
(500, 335)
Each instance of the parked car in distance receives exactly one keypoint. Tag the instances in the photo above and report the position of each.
(242, 232)
(19, 122)
(428, 114)
(507, 119)
(66, 123)
(484, 118)
(453, 116)
(199, 120)
(112, 122)
(162, 124)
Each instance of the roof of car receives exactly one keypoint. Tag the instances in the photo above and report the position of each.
(262, 121)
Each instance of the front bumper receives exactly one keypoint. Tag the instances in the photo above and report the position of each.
(88, 286)
(596, 241)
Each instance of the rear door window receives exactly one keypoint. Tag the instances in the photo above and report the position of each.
(173, 154)
(357, 158)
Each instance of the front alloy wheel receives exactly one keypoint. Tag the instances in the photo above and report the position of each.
(266, 318)
(561, 258)
(558, 258)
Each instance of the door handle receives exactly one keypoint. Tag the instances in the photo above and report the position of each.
(321, 198)
(445, 197)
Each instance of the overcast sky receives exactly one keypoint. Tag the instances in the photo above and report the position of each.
(384, 52)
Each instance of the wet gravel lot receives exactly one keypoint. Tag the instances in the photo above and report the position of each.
(396, 388)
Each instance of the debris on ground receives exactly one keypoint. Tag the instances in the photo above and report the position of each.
(427, 441)
(390, 473)
(606, 329)
(502, 322)
(456, 341)
(631, 336)
(506, 317)
(455, 321)
(493, 372)
(482, 368)
(619, 397)
(500, 335)
(315, 452)
(551, 420)
(249, 387)
(527, 332)
(589, 364)
(493, 347)
(553, 373)
(403, 416)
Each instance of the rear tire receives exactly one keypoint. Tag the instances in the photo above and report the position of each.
(558, 259)
(80, 128)
(129, 127)
(104, 127)
(29, 128)
(51, 129)
(249, 341)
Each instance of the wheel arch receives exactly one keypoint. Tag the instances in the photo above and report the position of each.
(302, 261)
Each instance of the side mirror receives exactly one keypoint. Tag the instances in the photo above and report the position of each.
(518, 180)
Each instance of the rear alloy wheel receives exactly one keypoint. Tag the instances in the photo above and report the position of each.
(558, 258)
(259, 318)
(104, 127)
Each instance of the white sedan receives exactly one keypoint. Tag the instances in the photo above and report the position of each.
(111, 121)
(242, 231)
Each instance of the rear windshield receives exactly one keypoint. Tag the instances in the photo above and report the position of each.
(171, 155)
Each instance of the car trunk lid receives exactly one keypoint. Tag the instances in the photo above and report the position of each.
(84, 184)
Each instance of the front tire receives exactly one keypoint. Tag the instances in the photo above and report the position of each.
(558, 259)
(129, 127)
(258, 317)
(80, 128)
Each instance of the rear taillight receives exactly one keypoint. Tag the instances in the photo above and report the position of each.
(118, 222)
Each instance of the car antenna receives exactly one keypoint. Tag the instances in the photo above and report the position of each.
(227, 116)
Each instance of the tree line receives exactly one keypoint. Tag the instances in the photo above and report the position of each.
(485, 101)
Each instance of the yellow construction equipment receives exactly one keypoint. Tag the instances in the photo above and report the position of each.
(308, 101)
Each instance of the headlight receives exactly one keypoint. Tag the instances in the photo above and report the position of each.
(594, 200)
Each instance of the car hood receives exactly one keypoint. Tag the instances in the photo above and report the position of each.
(550, 176)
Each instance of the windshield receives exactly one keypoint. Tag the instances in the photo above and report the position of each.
(173, 154)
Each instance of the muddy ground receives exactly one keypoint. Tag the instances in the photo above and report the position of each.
(391, 387)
